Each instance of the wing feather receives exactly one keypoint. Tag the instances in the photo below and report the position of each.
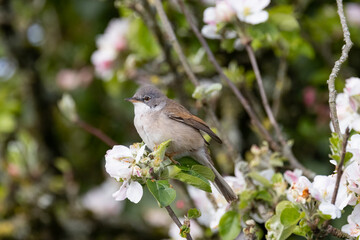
(173, 111)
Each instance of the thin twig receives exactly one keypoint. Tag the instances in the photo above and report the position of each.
(338, 233)
(263, 96)
(172, 37)
(334, 72)
(339, 167)
(95, 132)
(236, 91)
(279, 86)
(176, 220)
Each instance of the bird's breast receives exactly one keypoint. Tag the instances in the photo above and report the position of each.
(156, 127)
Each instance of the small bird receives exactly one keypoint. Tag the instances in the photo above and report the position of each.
(158, 119)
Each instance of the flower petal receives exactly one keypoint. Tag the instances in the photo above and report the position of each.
(209, 31)
(255, 18)
(140, 153)
(120, 194)
(209, 16)
(134, 192)
(330, 209)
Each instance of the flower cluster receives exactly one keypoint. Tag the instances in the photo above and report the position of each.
(123, 164)
(348, 105)
(248, 11)
(303, 192)
(110, 44)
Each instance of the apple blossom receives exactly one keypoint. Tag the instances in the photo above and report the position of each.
(122, 164)
(353, 226)
(251, 11)
(323, 189)
(292, 176)
(110, 44)
(348, 105)
(248, 11)
(299, 191)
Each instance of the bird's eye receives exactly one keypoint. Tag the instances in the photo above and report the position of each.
(146, 98)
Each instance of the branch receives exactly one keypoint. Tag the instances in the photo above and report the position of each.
(334, 72)
(176, 220)
(339, 167)
(255, 120)
(338, 233)
(263, 96)
(175, 42)
(95, 132)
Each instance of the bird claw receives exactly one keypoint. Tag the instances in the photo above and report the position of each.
(170, 156)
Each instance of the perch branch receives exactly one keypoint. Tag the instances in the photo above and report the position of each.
(176, 220)
(334, 72)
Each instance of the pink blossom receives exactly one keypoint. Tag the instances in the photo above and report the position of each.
(292, 176)
(309, 96)
(70, 79)
(352, 11)
(110, 44)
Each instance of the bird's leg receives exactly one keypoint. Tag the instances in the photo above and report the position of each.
(170, 156)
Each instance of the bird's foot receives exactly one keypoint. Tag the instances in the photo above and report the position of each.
(170, 156)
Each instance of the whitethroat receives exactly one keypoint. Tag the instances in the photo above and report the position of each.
(158, 119)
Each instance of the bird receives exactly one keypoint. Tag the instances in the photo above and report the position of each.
(158, 119)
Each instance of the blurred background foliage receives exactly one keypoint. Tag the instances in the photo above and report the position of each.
(49, 164)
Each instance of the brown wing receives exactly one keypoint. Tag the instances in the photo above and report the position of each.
(173, 111)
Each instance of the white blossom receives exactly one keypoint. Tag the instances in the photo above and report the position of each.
(121, 164)
(248, 11)
(131, 190)
(348, 105)
(353, 226)
(323, 189)
(299, 191)
(251, 11)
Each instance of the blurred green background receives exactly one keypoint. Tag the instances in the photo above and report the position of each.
(49, 164)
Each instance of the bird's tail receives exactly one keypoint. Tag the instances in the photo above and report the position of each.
(220, 183)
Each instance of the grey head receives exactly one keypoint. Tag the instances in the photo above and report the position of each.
(149, 95)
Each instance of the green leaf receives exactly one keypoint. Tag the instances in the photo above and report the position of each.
(256, 176)
(193, 213)
(229, 225)
(204, 91)
(284, 18)
(159, 152)
(264, 195)
(290, 216)
(347, 157)
(246, 198)
(204, 171)
(141, 41)
(162, 191)
(193, 178)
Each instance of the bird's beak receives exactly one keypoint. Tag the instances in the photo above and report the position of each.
(133, 100)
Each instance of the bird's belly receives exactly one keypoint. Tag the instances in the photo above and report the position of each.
(183, 137)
